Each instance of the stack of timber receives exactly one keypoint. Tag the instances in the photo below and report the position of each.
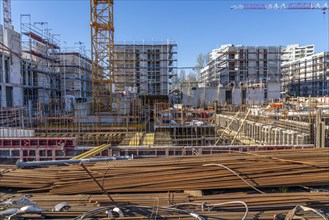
(286, 168)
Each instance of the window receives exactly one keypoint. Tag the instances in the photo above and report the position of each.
(15, 153)
(5, 153)
(9, 96)
(25, 153)
(42, 153)
(49, 153)
(7, 71)
(59, 153)
(32, 153)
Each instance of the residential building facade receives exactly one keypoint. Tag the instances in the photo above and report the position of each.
(40, 69)
(10, 69)
(245, 74)
(305, 77)
(144, 68)
(295, 52)
(76, 75)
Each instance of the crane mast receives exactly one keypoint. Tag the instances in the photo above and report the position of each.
(6, 13)
(102, 52)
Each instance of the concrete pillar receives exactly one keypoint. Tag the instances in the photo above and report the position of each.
(251, 132)
(252, 125)
(274, 136)
(269, 134)
(258, 132)
(280, 136)
(299, 139)
(318, 128)
(294, 138)
(277, 139)
(288, 137)
(263, 134)
(284, 137)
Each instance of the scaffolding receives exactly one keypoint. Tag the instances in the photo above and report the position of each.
(186, 127)
(306, 77)
(246, 75)
(144, 68)
(139, 112)
(41, 74)
(76, 77)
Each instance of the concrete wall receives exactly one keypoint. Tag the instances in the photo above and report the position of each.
(11, 77)
(263, 133)
(76, 77)
(13, 132)
(245, 68)
(273, 91)
(200, 96)
(254, 95)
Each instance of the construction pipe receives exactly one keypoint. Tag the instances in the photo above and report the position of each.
(22, 164)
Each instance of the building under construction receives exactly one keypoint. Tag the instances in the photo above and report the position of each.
(41, 74)
(109, 137)
(76, 75)
(48, 94)
(144, 68)
(306, 77)
(244, 74)
(10, 67)
(61, 119)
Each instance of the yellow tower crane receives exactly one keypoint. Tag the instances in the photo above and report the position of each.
(102, 52)
(6, 10)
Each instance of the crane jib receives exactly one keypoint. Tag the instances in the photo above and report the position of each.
(276, 6)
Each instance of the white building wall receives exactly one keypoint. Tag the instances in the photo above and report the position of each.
(77, 73)
(236, 97)
(14, 84)
(272, 91)
(306, 77)
(245, 68)
(296, 51)
(255, 96)
(200, 96)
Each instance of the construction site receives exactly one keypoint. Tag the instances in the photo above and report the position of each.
(105, 133)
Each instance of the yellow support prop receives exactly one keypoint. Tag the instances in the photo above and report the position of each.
(149, 139)
(91, 152)
(136, 139)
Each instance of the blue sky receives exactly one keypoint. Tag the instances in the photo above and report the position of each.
(196, 26)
